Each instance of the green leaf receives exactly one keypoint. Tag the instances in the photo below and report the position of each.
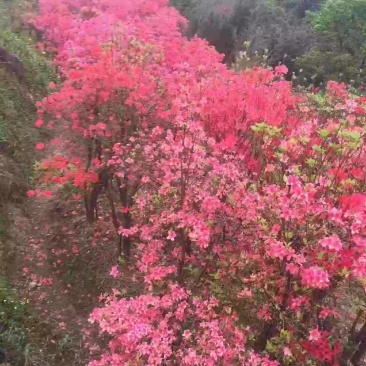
(260, 127)
(215, 276)
(323, 133)
(318, 148)
(351, 136)
(345, 272)
(289, 234)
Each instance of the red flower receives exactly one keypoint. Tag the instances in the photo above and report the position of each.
(353, 202)
(31, 193)
(40, 146)
(38, 123)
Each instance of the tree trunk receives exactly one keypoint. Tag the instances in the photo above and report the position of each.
(360, 338)
(126, 201)
(90, 201)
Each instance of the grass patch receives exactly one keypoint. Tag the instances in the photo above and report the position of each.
(17, 103)
(39, 71)
(13, 314)
(23, 335)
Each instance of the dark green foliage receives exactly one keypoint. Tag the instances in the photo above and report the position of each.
(299, 8)
(342, 22)
(339, 52)
(320, 65)
(325, 39)
(264, 24)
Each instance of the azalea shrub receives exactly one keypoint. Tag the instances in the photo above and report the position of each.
(238, 204)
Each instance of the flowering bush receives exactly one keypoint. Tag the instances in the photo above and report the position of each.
(239, 204)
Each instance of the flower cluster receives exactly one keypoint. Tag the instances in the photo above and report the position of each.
(239, 203)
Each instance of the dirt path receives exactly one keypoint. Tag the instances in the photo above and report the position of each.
(33, 235)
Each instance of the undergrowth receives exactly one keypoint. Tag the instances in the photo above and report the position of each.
(13, 315)
(17, 98)
(22, 333)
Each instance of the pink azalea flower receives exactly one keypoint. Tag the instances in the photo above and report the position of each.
(314, 335)
(171, 235)
(114, 272)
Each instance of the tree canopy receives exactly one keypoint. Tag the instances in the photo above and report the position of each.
(318, 40)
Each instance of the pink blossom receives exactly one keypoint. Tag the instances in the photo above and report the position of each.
(40, 146)
(270, 168)
(277, 249)
(171, 235)
(114, 271)
(314, 334)
(38, 123)
(315, 277)
(31, 193)
(281, 69)
(359, 267)
(331, 242)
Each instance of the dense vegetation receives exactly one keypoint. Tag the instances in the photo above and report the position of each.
(238, 205)
(318, 40)
(24, 77)
(17, 89)
(225, 208)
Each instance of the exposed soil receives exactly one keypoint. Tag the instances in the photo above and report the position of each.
(46, 256)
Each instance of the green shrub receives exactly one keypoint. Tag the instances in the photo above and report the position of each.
(17, 101)
(13, 314)
(38, 68)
